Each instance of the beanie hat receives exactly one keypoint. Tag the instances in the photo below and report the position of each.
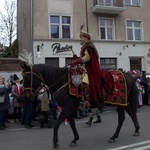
(143, 72)
(15, 77)
(120, 69)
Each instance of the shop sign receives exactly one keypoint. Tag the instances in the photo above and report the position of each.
(61, 50)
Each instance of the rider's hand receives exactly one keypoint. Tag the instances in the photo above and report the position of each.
(75, 57)
(75, 62)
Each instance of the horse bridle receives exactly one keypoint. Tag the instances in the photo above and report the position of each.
(39, 76)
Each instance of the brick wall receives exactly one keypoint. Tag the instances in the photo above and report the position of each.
(10, 64)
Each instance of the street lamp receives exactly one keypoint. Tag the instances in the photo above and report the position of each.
(38, 54)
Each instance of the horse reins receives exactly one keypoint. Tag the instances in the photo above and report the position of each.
(63, 86)
(43, 85)
(31, 76)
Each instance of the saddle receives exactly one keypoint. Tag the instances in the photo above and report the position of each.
(75, 78)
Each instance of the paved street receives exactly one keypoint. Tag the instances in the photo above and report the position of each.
(94, 137)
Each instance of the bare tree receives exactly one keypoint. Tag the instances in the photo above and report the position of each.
(8, 23)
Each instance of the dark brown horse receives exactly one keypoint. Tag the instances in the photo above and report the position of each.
(56, 79)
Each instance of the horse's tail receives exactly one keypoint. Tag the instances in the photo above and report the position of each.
(133, 98)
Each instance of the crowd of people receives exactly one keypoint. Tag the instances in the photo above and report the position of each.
(25, 109)
(143, 86)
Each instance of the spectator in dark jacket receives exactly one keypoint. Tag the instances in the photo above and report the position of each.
(144, 83)
(4, 93)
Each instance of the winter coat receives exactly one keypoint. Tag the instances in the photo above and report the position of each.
(16, 96)
(6, 105)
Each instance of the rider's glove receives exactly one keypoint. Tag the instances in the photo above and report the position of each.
(77, 61)
(75, 57)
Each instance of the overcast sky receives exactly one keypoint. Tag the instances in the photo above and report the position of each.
(2, 3)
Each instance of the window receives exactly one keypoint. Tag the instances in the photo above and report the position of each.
(105, 2)
(106, 29)
(108, 63)
(132, 2)
(134, 30)
(52, 61)
(135, 64)
(60, 26)
(68, 61)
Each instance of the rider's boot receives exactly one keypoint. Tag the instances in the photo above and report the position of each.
(89, 122)
(98, 120)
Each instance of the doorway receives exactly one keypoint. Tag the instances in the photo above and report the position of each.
(135, 64)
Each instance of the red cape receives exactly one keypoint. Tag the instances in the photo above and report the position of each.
(93, 69)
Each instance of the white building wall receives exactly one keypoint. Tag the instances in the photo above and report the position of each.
(105, 50)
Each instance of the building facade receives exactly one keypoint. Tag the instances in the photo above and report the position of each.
(119, 29)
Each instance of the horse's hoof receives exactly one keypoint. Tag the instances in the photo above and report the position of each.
(73, 144)
(111, 141)
(136, 134)
(56, 148)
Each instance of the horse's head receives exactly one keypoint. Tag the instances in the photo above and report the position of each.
(31, 80)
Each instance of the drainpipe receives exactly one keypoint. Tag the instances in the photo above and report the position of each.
(87, 22)
(17, 22)
(31, 30)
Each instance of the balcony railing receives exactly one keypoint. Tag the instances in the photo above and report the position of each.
(108, 7)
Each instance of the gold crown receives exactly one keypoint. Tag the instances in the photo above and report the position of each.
(85, 34)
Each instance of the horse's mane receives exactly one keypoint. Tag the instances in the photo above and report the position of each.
(49, 71)
(43, 68)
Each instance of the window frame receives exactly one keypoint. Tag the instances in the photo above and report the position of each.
(106, 27)
(104, 62)
(132, 4)
(104, 3)
(52, 60)
(133, 30)
(68, 60)
(60, 24)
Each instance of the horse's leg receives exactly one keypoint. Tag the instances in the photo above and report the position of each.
(133, 116)
(121, 118)
(73, 127)
(65, 114)
(58, 122)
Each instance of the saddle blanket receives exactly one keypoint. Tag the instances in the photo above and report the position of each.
(119, 95)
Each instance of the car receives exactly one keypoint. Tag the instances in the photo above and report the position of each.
(148, 76)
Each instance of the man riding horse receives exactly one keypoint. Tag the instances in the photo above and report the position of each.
(89, 58)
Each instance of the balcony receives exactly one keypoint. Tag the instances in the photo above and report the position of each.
(108, 6)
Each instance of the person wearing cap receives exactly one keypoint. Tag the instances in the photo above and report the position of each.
(89, 58)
